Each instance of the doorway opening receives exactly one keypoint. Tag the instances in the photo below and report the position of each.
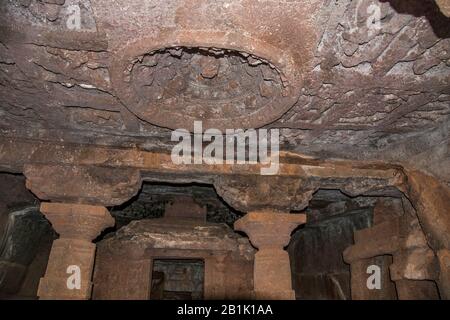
(177, 279)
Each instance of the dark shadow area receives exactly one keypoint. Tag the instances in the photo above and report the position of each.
(177, 279)
(152, 198)
(26, 237)
(315, 250)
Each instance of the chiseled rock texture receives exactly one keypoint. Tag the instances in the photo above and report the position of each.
(341, 79)
(182, 234)
(337, 81)
(152, 199)
(125, 259)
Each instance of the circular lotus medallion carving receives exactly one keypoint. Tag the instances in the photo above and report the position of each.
(225, 89)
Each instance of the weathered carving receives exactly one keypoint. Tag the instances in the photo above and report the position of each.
(125, 261)
(88, 185)
(259, 192)
(346, 73)
(270, 232)
(396, 232)
(350, 79)
(223, 88)
(431, 199)
(77, 221)
(73, 253)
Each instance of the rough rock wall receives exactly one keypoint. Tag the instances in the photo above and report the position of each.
(25, 240)
(318, 269)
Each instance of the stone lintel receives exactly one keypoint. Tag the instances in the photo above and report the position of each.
(18, 153)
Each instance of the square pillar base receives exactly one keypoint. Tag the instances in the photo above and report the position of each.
(56, 289)
(275, 295)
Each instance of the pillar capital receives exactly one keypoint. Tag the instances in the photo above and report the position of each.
(269, 229)
(444, 278)
(73, 254)
(270, 232)
(259, 192)
(77, 221)
(88, 184)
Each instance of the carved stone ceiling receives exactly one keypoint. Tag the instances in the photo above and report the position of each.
(334, 84)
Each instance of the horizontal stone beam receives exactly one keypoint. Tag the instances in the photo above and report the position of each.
(372, 248)
(99, 175)
(16, 153)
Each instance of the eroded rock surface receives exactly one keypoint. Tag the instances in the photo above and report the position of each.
(365, 90)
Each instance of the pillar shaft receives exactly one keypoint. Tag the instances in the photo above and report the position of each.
(270, 232)
(444, 276)
(220, 288)
(359, 277)
(71, 261)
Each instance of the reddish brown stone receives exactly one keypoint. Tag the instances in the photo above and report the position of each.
(444, 5)
(270, 232)
(431, 199)
(77, 226)
(444, 277)
(397, 233)
(125, 261)
(88, 185)
(186, 208)
(84, 112)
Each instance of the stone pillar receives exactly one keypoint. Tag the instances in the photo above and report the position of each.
(270, 232)
(415, 271)
(214, 287)
(373, 246)
(359, 276)
(444, 275)
(221, 285)
(72, 255)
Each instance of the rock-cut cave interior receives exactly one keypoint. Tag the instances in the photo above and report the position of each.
(351, 99)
